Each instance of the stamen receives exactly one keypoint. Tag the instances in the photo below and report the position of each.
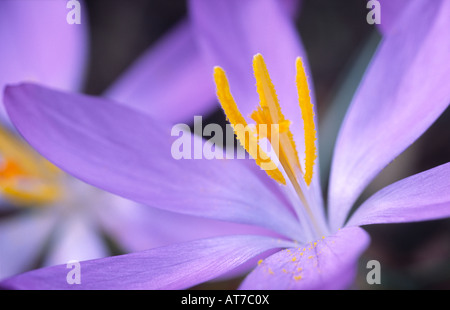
(308, 120)
(270, 113)
(25, 178)
(248, 140)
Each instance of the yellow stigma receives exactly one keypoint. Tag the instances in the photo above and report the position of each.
(308, 120)
(25, 177)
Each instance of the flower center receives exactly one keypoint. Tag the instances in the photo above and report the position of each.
(269, 113)
(25, 178)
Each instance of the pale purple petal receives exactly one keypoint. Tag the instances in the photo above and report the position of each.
(231, 32)
(22, 238)
(5, 203)
(292, 7)
(421, 197)
(329, 263)
(77, 238)
(177, 266)
(37, 44)
(403, 92)
(137, 227)
(128, 153)
(391, 11)
(170, 81)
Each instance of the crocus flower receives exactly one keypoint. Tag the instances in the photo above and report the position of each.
(402, 94)
(46, 208)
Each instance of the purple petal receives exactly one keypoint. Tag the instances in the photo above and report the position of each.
(22, 238)
(173, 267)
(174, 62)
(128, 153)
(137, 227)
(402, 94)
(39, 45)
(391, 11)
(421, 197)
(77, 238)
(292, 7)
(231, 32)
(170, 81)
(329, 263)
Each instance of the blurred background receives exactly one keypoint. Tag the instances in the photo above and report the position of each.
(339, 43)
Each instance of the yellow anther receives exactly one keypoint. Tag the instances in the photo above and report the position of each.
(248, 139)
(308, 120)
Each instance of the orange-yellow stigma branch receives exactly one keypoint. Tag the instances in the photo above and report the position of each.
(25, 178)
(9, 169)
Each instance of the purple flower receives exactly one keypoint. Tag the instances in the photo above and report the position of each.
(127, 152)
(43, 206)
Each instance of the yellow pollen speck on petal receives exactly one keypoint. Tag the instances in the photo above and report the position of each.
(309, 257)
(260, 262)
(294, 259)
(248, 139)
(323, 237)
(270, 271)
(299, 269)
(308, 120)
(284, 270)
(315, 244)
(297, 278)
